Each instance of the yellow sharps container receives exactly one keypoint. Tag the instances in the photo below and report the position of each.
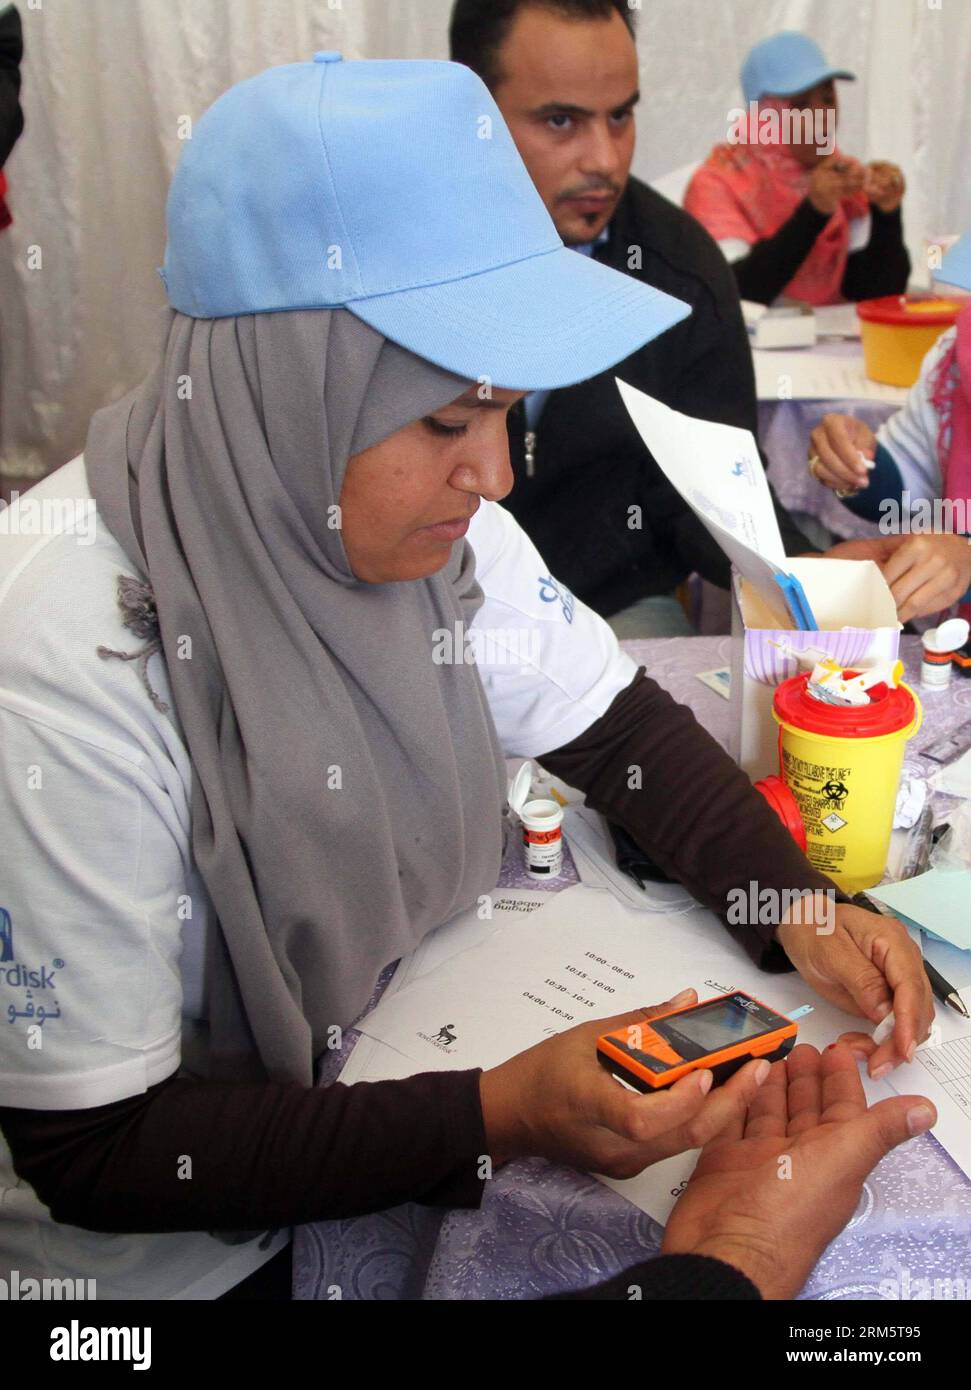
(843, 766)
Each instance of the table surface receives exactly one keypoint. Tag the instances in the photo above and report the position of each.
(542, 1228)
(834, 366)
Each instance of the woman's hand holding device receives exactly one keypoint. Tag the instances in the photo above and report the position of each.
(556, 1101)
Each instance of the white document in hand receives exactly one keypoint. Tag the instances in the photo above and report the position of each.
(717, 470)
(583, 957)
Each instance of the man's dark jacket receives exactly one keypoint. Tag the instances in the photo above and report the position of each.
(590, 465)
(11, 53)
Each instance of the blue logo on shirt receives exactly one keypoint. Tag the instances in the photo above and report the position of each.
(17, 976)
(551, 592)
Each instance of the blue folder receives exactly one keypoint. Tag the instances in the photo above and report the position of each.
(797, 602)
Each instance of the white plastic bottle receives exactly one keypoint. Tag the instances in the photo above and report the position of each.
(938, 644)
(542, 822)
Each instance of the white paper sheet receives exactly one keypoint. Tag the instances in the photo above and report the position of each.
(375, 1061)
(955, 778)
(592, 849)
(943, 1074)
(719, 680)
(810, 374)
(837, 321)
(502, 907)
(585, 956)
(717, 470)
(715, 467)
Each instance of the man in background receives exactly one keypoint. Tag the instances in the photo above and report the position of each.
(11, 116)
(564, 73)
(11, 123)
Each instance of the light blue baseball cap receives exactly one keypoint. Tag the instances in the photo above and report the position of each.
(785, 64)
(394, 190)
(955, 268)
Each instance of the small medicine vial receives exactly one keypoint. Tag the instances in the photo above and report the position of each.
(939, 644)
(542, 823)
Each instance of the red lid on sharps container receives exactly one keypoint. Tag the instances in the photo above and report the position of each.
(910, 310)
(794, 705)
(786, 807)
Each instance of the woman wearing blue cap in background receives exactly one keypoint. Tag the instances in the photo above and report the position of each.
(792, 213)
(211, 857)
(922, 454)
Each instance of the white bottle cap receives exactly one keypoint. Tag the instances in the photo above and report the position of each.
(520, 787)
(948, 637)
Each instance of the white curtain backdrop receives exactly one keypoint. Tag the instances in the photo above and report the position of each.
(108, 85)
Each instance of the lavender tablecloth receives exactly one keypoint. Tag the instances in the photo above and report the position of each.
(544, 1229)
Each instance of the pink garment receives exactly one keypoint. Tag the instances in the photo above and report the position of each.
(747, 189)
(951, 395)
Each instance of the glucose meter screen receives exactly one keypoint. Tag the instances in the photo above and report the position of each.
(721, 1025)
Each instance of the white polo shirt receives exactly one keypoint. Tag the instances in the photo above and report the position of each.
(101, 979)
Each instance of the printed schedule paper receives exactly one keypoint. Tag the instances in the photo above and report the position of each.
(941, 1071)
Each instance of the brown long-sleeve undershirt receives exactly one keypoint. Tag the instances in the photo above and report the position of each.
(271, 1155)
(692, 810)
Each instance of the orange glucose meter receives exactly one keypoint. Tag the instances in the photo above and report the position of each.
(719, 1034)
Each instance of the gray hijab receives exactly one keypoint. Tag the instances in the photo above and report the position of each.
(346, 789)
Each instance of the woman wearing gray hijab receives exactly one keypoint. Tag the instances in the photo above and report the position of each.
(287, 778)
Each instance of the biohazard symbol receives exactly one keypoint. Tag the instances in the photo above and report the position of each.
(834, 791)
